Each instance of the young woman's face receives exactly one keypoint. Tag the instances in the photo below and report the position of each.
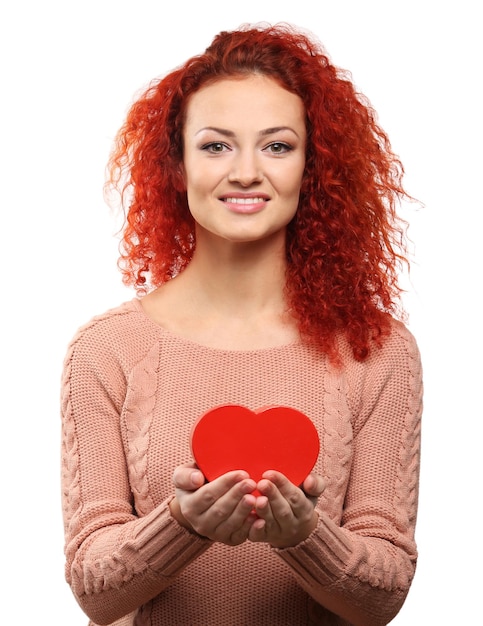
(244, 157)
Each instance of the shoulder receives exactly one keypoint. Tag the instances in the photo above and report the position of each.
(398, 345)
(120, 334)
(393, 363)
(386, 388)
(120, 317)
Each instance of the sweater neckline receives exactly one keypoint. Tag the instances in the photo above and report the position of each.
(136, 303)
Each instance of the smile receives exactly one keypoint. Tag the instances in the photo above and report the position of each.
(244, 200)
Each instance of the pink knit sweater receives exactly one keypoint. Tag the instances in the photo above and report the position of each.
(131, 392)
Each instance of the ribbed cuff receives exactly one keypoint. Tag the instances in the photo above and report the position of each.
(323, 557)
(162, 544)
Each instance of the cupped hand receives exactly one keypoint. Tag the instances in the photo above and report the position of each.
(286, 513)
(221, 510)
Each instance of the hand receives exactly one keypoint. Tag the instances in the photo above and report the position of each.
(220, 510)
(286, 513)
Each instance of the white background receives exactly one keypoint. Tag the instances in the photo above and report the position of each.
(69, 72)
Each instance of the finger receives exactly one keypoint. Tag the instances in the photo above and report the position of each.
(314, 485)
(188, 477)
(225, 519)
(235, 528)
(226, 504)
(285, 489)
(217, 499)
(278, 479)
(258, 532)
(220, 491)
(273, 505)
(286, 499)
(194, 504)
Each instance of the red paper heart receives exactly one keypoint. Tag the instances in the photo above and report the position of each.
(233, 437)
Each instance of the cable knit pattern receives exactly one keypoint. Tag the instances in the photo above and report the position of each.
(137, 416)
(70, 457)
(337, 435)
(131, 392)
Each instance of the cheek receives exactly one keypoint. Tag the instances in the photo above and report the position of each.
(291, 183)
(198, 175)
(194, 184)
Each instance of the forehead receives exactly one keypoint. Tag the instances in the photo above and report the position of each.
(243, 99)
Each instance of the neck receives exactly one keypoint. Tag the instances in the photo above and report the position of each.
(229, 296)
(238, 279)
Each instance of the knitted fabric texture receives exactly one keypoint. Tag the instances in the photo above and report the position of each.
(131, 392)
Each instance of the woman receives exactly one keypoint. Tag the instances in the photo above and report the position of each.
(261, 234)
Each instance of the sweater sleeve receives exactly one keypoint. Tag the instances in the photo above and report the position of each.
(361, 568)
(115, 560)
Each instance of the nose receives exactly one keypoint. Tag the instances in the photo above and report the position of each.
(246, 169)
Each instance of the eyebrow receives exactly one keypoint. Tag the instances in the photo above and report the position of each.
(263, 133)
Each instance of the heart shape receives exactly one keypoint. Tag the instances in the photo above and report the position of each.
(232, 437)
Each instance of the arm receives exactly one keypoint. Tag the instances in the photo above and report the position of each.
(361, 568)
(116, 560)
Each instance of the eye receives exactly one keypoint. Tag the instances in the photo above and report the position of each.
(278, 147)
(215, 147)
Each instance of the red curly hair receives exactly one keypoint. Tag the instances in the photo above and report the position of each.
(346, 243)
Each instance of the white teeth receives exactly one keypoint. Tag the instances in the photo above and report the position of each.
(244, 200)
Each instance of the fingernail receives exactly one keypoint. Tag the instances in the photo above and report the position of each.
(248, 486)
(197, 477)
